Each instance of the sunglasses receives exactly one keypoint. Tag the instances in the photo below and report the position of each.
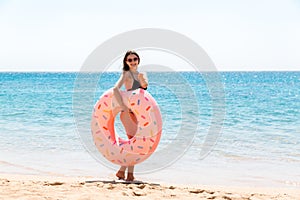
(130, 60)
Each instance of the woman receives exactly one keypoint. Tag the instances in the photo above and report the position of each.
(132, 80)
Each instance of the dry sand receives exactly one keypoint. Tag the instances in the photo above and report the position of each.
(46, 187)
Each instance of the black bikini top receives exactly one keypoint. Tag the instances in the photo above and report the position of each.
(136, 84)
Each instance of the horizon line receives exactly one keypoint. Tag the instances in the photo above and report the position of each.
(148, 71)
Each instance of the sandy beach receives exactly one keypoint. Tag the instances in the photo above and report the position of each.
(49, 187)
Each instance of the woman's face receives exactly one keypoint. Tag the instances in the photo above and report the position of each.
(132, 61)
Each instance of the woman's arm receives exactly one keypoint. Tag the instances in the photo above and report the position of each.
(116, 91)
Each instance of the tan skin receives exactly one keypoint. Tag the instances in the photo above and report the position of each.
(126, 117)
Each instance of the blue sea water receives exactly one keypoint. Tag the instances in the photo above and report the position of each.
(258, 144)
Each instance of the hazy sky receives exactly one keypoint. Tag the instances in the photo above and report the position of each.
(58, 35)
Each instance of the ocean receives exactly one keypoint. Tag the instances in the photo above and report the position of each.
(45, 117)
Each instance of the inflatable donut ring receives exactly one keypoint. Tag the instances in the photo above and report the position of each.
(127, 152)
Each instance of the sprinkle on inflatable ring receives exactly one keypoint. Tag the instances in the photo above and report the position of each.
(127, 152)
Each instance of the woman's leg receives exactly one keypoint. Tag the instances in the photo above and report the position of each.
(121, 173)
(129, 122)
(130, 176)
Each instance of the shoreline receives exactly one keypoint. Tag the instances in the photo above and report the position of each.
(82, 187)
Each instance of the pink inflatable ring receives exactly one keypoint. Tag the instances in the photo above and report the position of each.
(127, 152)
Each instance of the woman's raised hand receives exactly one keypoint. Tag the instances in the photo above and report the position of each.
(143, 80)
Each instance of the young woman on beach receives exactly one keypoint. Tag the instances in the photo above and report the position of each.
(132, 80)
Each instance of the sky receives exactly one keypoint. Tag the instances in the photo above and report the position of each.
(238, 35)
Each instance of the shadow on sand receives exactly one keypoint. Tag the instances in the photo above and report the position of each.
(122, 182)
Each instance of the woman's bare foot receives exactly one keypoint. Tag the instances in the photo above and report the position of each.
(120, 174)
(130, 177)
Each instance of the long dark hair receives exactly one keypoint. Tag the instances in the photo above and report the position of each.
(125, 66)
